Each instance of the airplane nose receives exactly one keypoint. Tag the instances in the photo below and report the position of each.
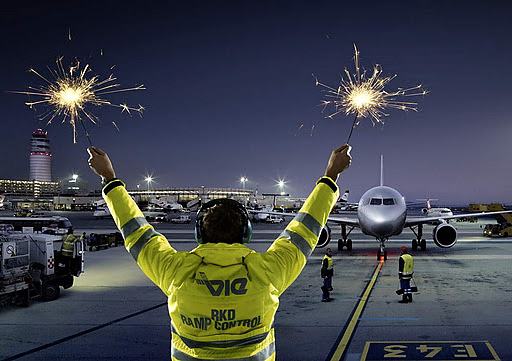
(383, 229)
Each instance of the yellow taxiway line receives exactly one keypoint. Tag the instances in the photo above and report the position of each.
(343, 342)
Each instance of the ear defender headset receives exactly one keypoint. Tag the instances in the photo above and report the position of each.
(245, 236)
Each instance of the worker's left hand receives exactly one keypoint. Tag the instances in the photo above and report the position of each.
(100, 163)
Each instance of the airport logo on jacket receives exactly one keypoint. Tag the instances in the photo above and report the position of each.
(238, 286)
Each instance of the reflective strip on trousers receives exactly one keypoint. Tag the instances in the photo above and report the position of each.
(141, 242)
(132, 225)
(310, 222)
(222, 344)
(300, 242)
(260, 356)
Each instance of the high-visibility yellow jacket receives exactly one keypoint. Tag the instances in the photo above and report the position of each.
(405, 266)
(68, 245)
(222, 298)
(329, 265)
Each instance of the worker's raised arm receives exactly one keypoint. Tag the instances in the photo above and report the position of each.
(287, 256)
(152, 252)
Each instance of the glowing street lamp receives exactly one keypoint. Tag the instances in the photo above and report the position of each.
(281, 183)
(74, 177)
(149, 180)
(243, 180)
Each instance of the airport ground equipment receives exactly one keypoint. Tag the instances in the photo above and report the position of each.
(183, 218)
(31, 267)
(96, 241)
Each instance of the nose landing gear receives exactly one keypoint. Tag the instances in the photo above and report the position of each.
(382, 254)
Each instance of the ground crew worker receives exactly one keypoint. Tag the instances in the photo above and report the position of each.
(222, 296)
(327, 272)
(405, 272)
(68, 244)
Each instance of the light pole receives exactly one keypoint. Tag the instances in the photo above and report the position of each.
(243, 180)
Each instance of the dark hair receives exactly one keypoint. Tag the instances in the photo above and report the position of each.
(223, 223)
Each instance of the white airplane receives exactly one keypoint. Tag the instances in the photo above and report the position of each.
(435, 212)
(382, 213)
(168, 206)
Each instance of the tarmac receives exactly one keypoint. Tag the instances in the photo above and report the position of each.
(463, 310)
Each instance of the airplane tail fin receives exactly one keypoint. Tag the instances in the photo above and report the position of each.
(344, 197)
(381, 170)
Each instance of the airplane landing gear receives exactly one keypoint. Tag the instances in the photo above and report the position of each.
(344, 241)
(382, 254)
(419, 241)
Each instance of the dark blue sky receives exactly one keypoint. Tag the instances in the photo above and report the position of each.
(229, 82)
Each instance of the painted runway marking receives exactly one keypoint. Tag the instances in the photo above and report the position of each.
(340, 347)
(429, 350)
(81, 333)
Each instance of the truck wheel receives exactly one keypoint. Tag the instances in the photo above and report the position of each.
(67, 282)
(50, 292)
(23, 298)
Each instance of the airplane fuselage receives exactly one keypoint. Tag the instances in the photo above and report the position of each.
(382, 212)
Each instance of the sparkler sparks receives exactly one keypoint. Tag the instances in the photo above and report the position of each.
(366, 97)
(71, 92)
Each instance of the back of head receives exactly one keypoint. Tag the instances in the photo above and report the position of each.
(223, 223)
(403, 250)
(70, 230)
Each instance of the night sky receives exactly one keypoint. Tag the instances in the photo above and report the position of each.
(229, 83)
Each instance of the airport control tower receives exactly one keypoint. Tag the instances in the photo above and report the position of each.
(40, 157)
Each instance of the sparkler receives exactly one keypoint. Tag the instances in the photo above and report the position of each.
(70, 92)
(366, 97)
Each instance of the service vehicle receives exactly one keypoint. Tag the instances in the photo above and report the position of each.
(50, 225)
(31, 267)
(96, 241)
(183, 218)
(274, 219)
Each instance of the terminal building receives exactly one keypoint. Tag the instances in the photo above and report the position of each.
(190, 198)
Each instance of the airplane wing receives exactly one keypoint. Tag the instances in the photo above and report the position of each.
(344, 221)
(335, 219)
(414, 221)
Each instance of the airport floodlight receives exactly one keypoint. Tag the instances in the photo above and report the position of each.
(75, 177)
(243, 180)
(149, 180)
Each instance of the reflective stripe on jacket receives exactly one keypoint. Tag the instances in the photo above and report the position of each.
(222, 298)
(406, 266)
(68, 245)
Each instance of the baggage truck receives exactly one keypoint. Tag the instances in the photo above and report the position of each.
(31, 267)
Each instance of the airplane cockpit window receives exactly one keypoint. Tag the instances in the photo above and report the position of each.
(376, 201)
(388, 201)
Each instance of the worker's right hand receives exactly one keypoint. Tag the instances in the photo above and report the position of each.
(339, 161)
(100, 163)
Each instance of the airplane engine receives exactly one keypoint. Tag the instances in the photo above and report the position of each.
(325, 237)
(445, 235)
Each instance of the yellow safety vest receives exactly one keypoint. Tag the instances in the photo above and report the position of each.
(330, 263)
(68, 245)
(222, 298)
(408, 265)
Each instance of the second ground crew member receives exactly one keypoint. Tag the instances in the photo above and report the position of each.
(222, 296)
(405, 272)
(327, 272)
(68, 244)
